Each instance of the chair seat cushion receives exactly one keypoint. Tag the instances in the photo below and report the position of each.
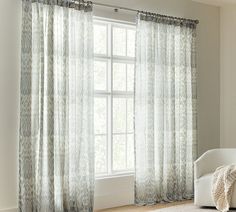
(202, 192)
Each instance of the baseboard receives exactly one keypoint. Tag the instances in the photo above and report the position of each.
(114, 192)
(113, 200)
(109, 193)
(8, 210)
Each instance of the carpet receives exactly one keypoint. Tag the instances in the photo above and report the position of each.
(187, 208)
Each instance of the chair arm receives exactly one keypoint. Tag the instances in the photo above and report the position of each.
(213, 159)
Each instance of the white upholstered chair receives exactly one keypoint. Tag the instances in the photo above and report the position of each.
(204, 168)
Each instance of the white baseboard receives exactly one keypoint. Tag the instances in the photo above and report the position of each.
(113, 200)
(109, 193)
(114, 192)
(8, 210)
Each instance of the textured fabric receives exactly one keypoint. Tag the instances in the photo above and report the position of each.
(204, 168)
(75, 4)
(165, 112)
(56, 155)
(168, 20)
(222, 186)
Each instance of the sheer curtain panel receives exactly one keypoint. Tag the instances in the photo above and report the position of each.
(56, 153)
(165, 109)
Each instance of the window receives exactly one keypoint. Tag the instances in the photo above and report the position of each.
(114, 49)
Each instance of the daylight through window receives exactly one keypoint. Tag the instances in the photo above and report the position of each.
(114, 46)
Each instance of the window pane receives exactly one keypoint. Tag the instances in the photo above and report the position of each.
(119, 152)
(119, 41)
(119, 115)
(130, 151)
(100, 75)
(130, 43)
(113, 102)
(130, 77)
(119, 77)
(100, 39)
(130, 115)
(100, 115)
(100, 154)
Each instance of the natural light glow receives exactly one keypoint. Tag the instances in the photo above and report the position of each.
(114, 48)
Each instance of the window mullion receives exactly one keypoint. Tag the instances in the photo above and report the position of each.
(111, 53)
(126, 111)
(109, 143)
(126, 136)
(126, 43)
(110, 70)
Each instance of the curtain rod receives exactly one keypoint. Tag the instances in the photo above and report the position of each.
(116, 8)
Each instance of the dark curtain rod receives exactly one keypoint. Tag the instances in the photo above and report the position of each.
(116, 8)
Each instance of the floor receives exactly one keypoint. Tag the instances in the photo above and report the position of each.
(133, 208)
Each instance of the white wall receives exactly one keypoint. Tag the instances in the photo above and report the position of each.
(119, 189)
(9, 96)
(228, 77)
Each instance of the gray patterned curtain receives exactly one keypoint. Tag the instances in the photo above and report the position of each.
(165, 109)
(56, 155)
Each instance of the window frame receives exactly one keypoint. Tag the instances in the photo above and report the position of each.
(109, 94)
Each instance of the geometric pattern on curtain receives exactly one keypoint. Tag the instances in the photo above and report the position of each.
(56, 153)
(165, 109)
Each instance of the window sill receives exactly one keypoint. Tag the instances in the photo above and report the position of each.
(119, 175)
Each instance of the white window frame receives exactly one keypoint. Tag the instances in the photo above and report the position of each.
(109, 94)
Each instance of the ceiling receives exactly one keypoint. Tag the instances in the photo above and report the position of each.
(217, 2)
